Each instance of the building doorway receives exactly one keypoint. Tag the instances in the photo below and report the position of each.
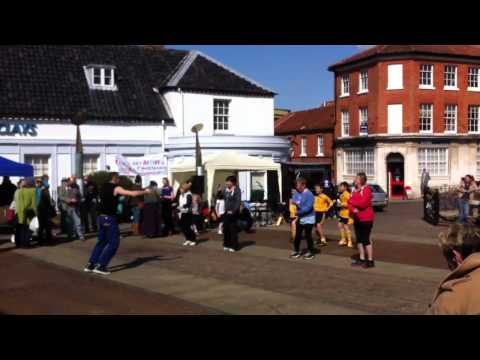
(396, 176)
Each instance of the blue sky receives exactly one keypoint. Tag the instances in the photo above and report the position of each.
(297, 73)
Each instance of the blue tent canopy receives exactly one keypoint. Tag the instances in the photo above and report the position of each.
(12, 168)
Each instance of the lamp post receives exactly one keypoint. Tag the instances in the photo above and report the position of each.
(198, 153)
(79, 119)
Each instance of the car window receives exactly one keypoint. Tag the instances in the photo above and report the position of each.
(376, 188)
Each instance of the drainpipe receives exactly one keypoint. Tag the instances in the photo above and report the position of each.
(163, 135)
(183, 112)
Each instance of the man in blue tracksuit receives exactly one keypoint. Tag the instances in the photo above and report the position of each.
(304, 200)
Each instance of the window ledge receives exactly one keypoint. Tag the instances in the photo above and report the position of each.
(425, 132)
(400, 88)
(426, 87)
(362, 92)
(344, 95)
(320, 155)
(474, 132)
(451, 88)
(477, 89)
(449, 132)
(363, 134)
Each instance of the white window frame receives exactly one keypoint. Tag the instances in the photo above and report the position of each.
(471, 77)
(103, 85)
(473, 116)
(422, 113)
(345, 79)
(390, 72)
(447, 112)
(303, 146)
(450, 87)
(87, 163)
(361, 119)
(320, 145)
(30, 159)
(345, 115)
(221, 118)
(363, 78)
(359, 160)
(431, 160)
(422, 71)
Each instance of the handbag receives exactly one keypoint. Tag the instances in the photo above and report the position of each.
(34, 225)
(10, 216)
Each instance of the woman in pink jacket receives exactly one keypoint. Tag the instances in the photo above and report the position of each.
(360, 206)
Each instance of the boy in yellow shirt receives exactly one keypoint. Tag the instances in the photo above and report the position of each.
(344, 218)
(321, 206)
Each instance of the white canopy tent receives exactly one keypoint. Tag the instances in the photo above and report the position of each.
(219, 166)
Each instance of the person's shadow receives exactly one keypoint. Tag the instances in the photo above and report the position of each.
(139, 262)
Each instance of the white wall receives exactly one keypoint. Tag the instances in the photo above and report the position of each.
(248, 115)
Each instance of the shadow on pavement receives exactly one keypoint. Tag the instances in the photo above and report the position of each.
(139, 262)
(244, 244)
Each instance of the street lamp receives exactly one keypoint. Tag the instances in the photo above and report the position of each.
(77, 120)
(198, 154)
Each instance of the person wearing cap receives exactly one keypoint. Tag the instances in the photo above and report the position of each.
(459, 292)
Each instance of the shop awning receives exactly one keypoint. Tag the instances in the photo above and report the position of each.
(12, 168)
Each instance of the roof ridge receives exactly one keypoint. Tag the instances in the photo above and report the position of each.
(235, 72)
(182, 67)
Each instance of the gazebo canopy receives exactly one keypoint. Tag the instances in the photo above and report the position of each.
(12, 168)
(224, 161)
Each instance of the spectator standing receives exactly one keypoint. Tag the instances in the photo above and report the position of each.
(136, 205)
(26, 210)
(167, 211)
(7, 191)
(466, 192)
(233, 196)
(45, 212)
(304, 201)
(70, 199)
(459, 292)
(108, 232)
(360, 207)
(62, 193)
(152, 212)
(89, 205)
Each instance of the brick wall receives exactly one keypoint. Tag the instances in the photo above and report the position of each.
(410, 97)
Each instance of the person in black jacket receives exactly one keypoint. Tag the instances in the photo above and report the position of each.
(45, 212)
(233, 198)
(89, 205)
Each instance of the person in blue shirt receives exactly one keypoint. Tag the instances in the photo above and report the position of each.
(304, 201)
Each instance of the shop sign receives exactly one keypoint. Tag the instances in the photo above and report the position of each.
(18, 129)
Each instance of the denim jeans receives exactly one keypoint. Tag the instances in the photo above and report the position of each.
(75, 223)
(108, 241)
(463, 210)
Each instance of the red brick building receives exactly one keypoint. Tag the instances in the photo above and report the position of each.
(400, 109)
(311, 135)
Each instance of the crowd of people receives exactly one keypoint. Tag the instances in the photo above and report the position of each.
(309, 211)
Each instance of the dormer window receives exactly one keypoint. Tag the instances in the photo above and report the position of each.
(101, 77)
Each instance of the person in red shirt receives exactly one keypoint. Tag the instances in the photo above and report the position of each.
(360, 206)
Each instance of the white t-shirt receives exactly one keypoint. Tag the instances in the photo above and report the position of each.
(220, 207)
